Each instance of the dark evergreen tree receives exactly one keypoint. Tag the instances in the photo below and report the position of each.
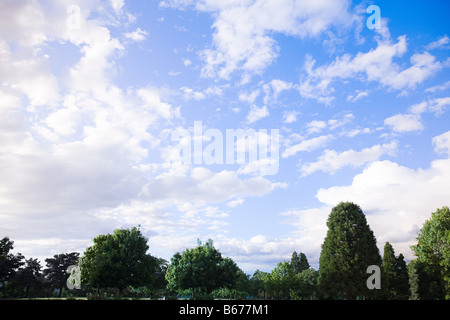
(413, 273)
(56, 273)
(28, 278)
(9, 263)
(389, 272)
(425, 282)
(395, 279)
(402, 279)
(257, 285)
(299, 262)
(348, 250)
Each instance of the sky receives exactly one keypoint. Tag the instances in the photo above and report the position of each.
(244, 122)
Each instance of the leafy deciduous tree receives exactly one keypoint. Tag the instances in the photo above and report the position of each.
(201, 270)
(433, 253)
(118, 260)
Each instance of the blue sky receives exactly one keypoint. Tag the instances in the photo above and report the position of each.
(92, 93)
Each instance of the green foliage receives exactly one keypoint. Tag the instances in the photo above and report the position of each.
(290, 280)
(9, 263)
(118, 260)
(425, 282)
(257, 286)
(299, 262)
(433, 255)
(280, 281)
(395, 279)
(348, 249)
(56, 272)
(305, 285)
(202, 270)
(27, 281)
(117, 266)
(402, 289)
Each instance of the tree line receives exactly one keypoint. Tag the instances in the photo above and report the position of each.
(118, 265)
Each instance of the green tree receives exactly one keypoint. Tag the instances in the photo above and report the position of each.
(118, 260)
(395, 279)
(433, 251)
(201, 270)
(305, 285)
(9, 262)
(158, 281)
(257, 285)
(280, 281)
(28, 277)
(348, 249)
(402, 279)
(389, 271)
(299, 262)
(424, 282)
(56, 273)
(413, 273)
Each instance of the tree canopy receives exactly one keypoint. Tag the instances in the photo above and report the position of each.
(121, 260)
(348, 250)
(201, 270)
(56, 272)
(9, 263)
(118, 260)
(433, 255)
(395, 275)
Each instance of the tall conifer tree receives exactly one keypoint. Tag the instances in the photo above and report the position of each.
(348, 249)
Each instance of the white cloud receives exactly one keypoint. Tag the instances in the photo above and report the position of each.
(358, 95)
(438, 43)
(412, 121)
(307, 145)
(249, 97)
(316, 126)
(404, 122)
(235, 203)
(256, 113)
(29, 75)
(396, 200)
(441, 87)
(245, 44)
(189, 93)
(187, 62)
(87, 147)
(441, 143)
(23, 22)
(152, 101)
(290, 116)
(274, 88)
(137, 35)
(436, 105)
(117, 5)
(203, 185)
(331, 161)
(376, 65)
(263, 253)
